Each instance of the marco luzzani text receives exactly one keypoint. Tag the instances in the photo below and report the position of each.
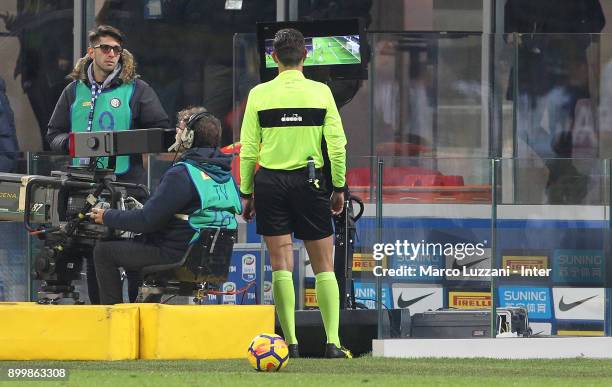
(459, 252)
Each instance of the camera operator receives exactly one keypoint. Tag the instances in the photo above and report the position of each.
(200, 185)
(106, 94)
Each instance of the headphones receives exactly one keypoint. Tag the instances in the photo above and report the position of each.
(185, 141)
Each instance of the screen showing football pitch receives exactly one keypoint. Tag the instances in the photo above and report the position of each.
(325, 50)
(336, 49)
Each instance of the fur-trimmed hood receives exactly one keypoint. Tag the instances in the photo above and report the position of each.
(128, 72)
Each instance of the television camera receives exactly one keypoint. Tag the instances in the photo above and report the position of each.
(55, 208)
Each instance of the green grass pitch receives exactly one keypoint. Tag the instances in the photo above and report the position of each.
(364, 371)
(326, 51)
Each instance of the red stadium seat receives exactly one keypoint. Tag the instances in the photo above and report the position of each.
(452, 181)
(417, 185)
(430, 180)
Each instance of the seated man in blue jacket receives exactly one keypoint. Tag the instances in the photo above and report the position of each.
(198, 185)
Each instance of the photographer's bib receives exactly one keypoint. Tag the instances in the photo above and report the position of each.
(111, 111)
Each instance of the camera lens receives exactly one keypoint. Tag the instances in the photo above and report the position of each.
(92, 142)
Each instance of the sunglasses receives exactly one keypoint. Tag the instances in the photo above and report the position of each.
(107, 47)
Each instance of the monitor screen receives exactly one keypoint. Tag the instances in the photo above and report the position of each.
(335, 48)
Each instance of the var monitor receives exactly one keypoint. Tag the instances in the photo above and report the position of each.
(336, 49)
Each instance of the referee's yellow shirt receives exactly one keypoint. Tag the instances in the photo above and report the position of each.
(284, 122)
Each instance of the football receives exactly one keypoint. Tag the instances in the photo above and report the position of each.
(268, 352)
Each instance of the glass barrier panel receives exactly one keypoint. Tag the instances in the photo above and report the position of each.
(556, 78)
(554, 239)
(365, 299)
(34, 66)
(363, 200)
(438, 243)
(157, 164)
(352, 97)
(14, 263)
(430, 95)
(245, 77)
(185, 51)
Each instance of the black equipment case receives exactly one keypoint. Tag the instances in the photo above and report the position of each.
(464, 324)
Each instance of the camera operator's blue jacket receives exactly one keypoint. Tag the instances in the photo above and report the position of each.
(176, 194)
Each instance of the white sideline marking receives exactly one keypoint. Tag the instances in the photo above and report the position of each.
(508, 348)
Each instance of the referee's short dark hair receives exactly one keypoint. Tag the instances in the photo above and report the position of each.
(289, 46)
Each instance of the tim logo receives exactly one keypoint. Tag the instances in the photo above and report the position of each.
(291, 118)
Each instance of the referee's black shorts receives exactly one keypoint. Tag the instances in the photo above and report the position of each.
(285, 203)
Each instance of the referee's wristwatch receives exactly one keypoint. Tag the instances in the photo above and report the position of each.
(246, 196)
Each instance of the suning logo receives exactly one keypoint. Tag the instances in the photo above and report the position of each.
(526, 295)
(580, 259)
(535, 300)
(365, 292)
(292, 118)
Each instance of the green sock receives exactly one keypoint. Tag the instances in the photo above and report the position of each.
(328, 298)
(284, 301)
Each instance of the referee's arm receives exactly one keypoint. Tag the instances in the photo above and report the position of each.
(336, 142)
(250, 138)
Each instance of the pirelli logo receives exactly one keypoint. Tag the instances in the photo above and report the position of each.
(291, 117)
(310, 298)
(469, 300)
(515, 262)
(365, 262)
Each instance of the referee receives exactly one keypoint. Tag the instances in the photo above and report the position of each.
(285, 122)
